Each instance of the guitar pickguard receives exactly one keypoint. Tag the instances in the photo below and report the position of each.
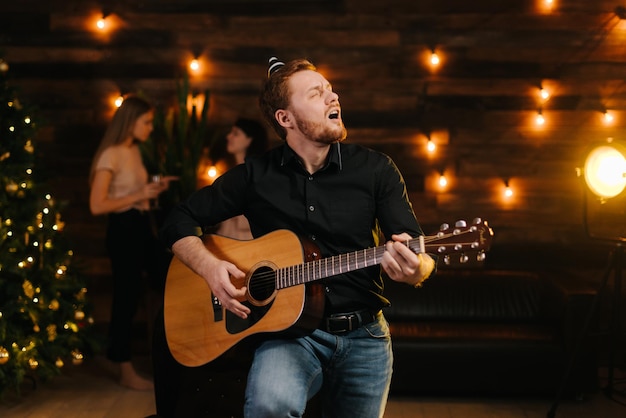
(235, 325)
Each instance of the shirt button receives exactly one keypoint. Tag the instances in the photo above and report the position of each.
(310, 177)
(313, 237)
(311, 208)
(327, 289)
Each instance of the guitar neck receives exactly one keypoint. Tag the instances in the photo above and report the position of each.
(338, 264)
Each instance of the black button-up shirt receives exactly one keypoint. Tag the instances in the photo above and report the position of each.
(341, 208)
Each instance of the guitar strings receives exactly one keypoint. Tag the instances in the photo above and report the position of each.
(313, 270)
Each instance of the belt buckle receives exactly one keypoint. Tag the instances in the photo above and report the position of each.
(343, 317)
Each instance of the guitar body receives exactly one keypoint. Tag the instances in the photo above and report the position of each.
(198, 329)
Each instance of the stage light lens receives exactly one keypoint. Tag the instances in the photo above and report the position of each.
(605, 171)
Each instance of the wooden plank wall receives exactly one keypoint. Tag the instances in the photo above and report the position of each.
(478, 106)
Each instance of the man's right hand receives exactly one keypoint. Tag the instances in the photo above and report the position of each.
(217, 273)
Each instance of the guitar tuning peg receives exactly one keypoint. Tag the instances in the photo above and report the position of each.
(477, 221)
(463, 259)
(481, 256)
(446, 260)
(460, 224)
(444, 227)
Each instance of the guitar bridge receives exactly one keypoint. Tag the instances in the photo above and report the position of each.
(218, 312)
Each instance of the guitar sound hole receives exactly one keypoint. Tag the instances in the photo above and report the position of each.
(262, 284)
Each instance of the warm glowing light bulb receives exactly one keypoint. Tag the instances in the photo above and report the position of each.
(212, 172)
(443, 181)
(508, 191)
(430, 146)
(608, 118)
(547, 5)
(434, 58)
(605, 171)
(540, 120)
(194, 65)
(545, 94)
(101, 23)
(119, 101)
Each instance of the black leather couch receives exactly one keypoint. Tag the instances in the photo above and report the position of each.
(490, 332)
(465, 332)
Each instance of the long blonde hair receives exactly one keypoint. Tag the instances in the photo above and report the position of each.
(120, 127)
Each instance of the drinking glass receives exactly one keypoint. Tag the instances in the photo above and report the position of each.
(155, 178)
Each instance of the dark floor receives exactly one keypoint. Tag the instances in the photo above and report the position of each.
(90, 390)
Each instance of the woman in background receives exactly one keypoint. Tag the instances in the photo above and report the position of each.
(247, 137)
(120, 189)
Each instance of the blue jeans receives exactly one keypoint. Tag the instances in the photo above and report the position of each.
(352, 370)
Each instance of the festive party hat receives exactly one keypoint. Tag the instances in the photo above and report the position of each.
(274, 64)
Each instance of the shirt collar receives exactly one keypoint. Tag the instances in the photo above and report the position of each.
(334, 156)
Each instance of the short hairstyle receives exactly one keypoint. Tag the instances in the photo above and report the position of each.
(275, 93)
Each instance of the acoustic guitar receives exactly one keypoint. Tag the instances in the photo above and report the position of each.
(282, 292)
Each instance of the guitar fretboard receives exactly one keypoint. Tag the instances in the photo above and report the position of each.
(338, 264)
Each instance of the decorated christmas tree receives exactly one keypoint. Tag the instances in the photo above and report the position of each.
(44, 312)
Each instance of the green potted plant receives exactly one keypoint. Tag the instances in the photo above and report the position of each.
(179, 143)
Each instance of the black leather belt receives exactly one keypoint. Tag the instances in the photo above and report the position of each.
(346, 322)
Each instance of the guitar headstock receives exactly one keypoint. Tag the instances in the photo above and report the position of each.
(461, 243)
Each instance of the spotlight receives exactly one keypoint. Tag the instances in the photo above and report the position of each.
(604, 218)
(603, 177)
(605, 170)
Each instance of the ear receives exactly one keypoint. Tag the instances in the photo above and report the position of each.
(284, 118)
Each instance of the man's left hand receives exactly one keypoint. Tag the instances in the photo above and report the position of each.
(402, 265)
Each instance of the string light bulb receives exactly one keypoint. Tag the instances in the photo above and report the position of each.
(544, 94)
(434, 59)
(443, 181)
(508, 192)
(430, 145)
(607, 117)
(101, 23)
(546, 5)
(194, 65)
(539, 119)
